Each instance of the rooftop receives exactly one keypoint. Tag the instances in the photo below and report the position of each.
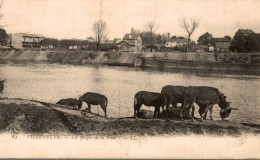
(130, 42)
(178, 40)
(31, 35)
(131, 36)
(222, 40)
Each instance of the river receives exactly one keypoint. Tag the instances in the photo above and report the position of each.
(52, 82)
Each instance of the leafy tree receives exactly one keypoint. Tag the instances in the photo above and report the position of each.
(146, 38)
(245, 43)
(205, 38)
(228, 37)
(50, 41)
(3, 37)
(159, 39)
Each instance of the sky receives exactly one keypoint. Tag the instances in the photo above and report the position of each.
(74, 18)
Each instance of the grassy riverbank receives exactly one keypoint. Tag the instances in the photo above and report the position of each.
(25, 116)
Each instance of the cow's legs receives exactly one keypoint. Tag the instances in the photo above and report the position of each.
(89, 107)
(205, 112)
(137, 109)
(193, 109)
(211, 111)
(156, 111)
(190, 108)
(167, 107)
(184, 105)
(202, 108)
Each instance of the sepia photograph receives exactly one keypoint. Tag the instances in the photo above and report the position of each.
(160, 79)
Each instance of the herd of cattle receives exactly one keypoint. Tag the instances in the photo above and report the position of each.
(204, 97)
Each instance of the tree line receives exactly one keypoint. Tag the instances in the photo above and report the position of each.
(239, 43)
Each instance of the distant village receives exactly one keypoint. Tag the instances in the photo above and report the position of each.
(244, 40)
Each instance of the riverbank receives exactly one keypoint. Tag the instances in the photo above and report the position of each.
(176, 60)
(29, 116)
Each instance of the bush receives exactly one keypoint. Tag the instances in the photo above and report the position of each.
(108, 47)
(169, 49)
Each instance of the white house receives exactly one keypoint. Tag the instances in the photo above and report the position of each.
(25, 40)
(173, 42)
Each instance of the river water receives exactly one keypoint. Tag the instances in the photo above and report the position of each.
(51, 83)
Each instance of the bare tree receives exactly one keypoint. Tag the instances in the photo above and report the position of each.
(190, 28)
(99, 28)
(151, 27)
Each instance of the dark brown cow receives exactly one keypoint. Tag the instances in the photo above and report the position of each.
(149, 99)
(205, 97)
(69, 102)
(94, 99)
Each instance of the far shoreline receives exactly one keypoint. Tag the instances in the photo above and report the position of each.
(128, 59)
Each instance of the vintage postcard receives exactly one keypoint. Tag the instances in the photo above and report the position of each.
(129, 79)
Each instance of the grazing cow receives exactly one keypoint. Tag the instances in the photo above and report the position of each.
(94, 99)
(173, 94)
(2, 85)
(149, 99)
(69, 102)
(205, 97)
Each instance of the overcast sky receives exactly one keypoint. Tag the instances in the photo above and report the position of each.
(74, 18)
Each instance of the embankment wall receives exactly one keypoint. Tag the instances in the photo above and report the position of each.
(209, 61)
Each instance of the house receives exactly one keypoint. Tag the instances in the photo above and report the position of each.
(25, 40)
(74, 47)
(177, 41)
(90, 39)
(131, 43)
(116, 40)
(203, 48)
(222, 44)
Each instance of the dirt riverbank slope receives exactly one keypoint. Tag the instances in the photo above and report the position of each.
(28, 116)
(120, 58)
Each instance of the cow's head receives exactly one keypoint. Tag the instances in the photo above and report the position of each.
(225, 108)
(80, 103)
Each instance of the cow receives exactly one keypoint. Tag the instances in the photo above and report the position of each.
(69, 102)
(204, 96)
(92, 98)
(149, 99)
(2, 85)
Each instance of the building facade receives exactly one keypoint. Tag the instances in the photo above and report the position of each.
(222, 44)
(25, 40)
(130, 43)
(173, 42)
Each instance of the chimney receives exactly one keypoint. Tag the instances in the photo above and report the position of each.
(168, 36)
